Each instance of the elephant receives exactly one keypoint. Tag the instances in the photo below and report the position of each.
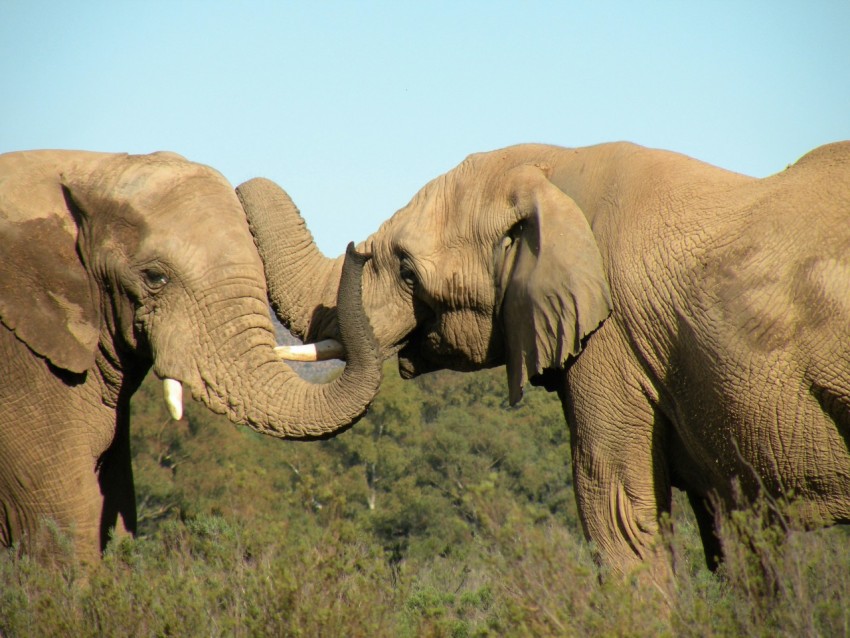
(115, 264)
(694, 322)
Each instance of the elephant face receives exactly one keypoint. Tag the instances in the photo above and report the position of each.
(158, 261)
(432, 291)
(490, 263)
(120, 262)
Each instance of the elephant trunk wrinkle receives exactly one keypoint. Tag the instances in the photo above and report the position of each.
(301, 281)
(264, 393)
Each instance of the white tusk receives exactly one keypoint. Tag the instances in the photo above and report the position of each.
(321, 351)
(173, 392)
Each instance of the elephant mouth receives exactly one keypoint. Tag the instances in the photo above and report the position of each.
(422, 352)
(411, 363)
(425, 351)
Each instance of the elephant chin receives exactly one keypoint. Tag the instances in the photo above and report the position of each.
(414, 360)
(411, 364)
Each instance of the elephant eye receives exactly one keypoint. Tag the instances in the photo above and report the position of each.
(154, 278)
(516, 230)
(406, 272)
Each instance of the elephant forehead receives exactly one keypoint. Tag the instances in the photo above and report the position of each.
(457, 278)
(445, 217)
(448, 207)
(208, 244)
(202, 220)
(146, 178)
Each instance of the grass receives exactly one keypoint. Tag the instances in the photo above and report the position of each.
(212, 576)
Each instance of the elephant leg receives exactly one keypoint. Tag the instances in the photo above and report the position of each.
(47, 468)
(59, 489)
(115, 478)
(620, 504)
(622, 481)
(80, 514)
(707, 530)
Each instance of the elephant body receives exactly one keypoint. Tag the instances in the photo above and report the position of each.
(695, 322)
(725, 363)
(112, 265)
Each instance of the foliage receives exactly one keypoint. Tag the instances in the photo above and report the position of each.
(444, 512)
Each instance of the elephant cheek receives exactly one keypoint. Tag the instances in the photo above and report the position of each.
(453, 346)
(467, 338)
(122, 323)
(174, 356)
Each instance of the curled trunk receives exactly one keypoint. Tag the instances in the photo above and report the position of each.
(271, 399)
(301, 280)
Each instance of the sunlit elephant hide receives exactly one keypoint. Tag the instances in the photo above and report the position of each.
(115, 264)
(695, 322)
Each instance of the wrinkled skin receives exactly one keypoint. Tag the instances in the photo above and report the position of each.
(695, 322)
(111, 265)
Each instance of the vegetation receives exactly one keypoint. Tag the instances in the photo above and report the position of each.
(443, 513)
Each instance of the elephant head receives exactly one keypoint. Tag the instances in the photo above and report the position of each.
(470, 274)
(115, 264)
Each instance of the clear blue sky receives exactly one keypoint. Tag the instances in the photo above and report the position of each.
(353, 106)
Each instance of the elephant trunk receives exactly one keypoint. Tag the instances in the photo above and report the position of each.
(301, 280)
(264, 393)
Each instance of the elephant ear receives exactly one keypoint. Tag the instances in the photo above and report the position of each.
(45, 292)
(555, 289)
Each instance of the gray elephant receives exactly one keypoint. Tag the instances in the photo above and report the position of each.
(694, 322)
(113, 264)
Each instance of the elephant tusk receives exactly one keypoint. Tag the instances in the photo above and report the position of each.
(320, 351)
(173, 392)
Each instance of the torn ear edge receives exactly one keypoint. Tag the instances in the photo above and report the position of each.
(556, 290)
(551, 379)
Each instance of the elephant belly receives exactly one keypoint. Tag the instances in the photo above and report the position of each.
(790, 439)
(758, 382)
